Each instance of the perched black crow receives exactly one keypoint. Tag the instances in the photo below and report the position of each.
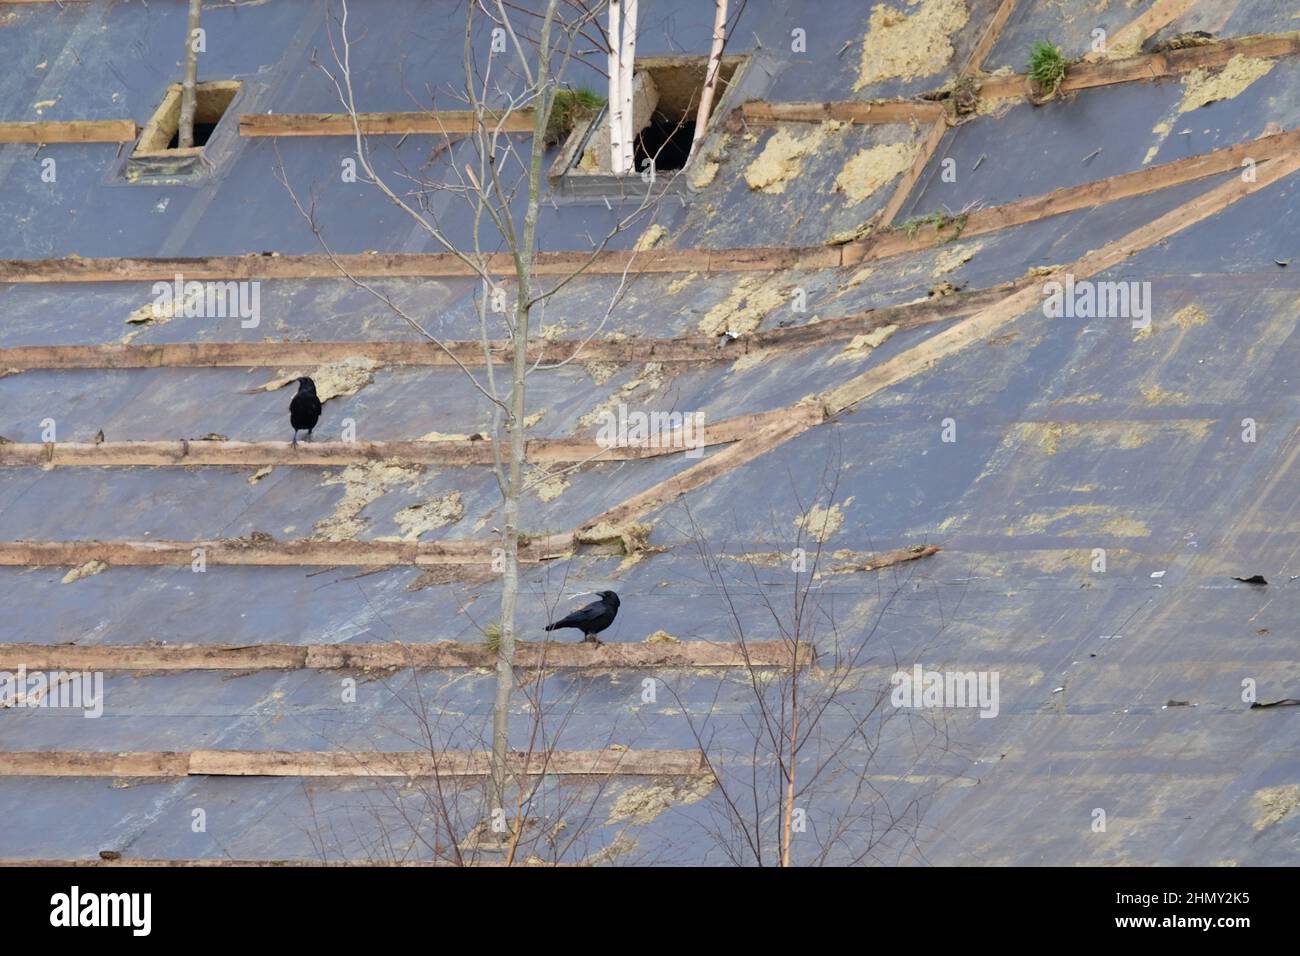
(592, 619)
(304, 410)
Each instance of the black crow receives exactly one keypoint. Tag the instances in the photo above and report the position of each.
(592, 619)
(304, 410)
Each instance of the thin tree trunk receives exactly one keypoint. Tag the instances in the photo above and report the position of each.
(185, 132)
(711, 77)
(615, 112)
(787, 828)
(789, 787)
(523, 256)
(627, 66)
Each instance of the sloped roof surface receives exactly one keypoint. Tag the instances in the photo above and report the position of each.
(1118, 690)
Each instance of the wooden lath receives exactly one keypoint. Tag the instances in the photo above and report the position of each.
(371, 554)
(454, 451)
(188, 454)
(460, 451)
(403, 764)
(989, 38)
(1090, 74)
(1150, 66)
(878, 112)
(1067, 199)
(414, 265)
(441, 655)
(266, 551)
(910, 177)
(437, 122)
(1147, 24)
(703, 349)
(69, 131)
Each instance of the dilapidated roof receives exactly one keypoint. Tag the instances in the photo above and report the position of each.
(921, 400)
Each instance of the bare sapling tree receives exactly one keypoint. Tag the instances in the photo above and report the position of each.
(437, 816)
(499, 176)
(821, 715)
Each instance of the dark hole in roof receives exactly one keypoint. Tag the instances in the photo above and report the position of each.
(667, 140)
(202, 131)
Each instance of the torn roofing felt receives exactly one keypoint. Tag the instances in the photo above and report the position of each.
(1072, 434)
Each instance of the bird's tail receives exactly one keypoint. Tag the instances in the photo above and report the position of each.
(550, 627)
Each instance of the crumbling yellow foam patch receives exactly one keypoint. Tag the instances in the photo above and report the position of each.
(333, 380)
(1275, 803)
(1129, 45)
(1125, 528)
(548, 485)
(908, 47)
(1155, 395)
(363, 483)
(650, 238)
(642, 804)
(650, 377)
(782, 156)
(86, 570)
(705, 173)
(601, 372)
(415, 520)
(1185, 318)
(1041, 522)
(872, 168)
(1203, 87)
(862, 345)
(706, 167)
(955, 257)
(749, 302)
(159, 313)
(821, 523)
(680, 283)
(443, 436)
(1190, 315)
(1050, 436)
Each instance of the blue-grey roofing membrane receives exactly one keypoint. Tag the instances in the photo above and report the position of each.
(1174, 451)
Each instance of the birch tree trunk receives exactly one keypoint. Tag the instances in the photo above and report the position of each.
(615, 100)
(711, 77)
(627, 66)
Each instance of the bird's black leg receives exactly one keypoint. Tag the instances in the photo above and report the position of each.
(591, 639)
(309, 431)
(295, 438)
